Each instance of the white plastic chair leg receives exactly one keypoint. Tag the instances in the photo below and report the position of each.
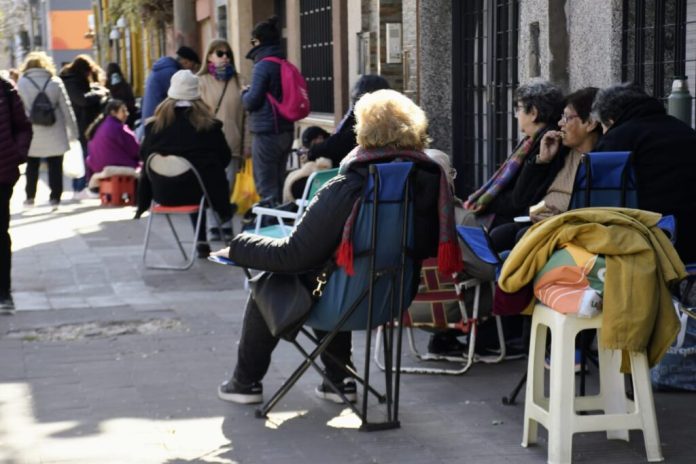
(612, 390)
(561, 396)
(642, 390)
(534, 393)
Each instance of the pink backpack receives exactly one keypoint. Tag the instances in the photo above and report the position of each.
(295, 104)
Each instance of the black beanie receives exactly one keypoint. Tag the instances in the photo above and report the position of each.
(188, 53)
(267, 32)
(311, 133)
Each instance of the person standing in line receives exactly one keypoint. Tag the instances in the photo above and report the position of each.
(220, 90)
(83, 80)
(120, 89)
(158, 79)
(49, 141)
(16, 133)
(272, 139)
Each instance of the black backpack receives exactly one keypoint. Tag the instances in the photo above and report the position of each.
(42, 112)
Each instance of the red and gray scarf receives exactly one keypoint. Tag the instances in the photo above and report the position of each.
(483, 197)
(448, 254)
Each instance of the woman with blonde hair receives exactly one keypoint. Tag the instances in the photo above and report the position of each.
(220, 88)
(183, 125)
(389, 127)
(50, 141)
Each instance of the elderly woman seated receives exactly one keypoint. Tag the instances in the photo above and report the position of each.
(389, 126)
(578, 134)
(508, 193)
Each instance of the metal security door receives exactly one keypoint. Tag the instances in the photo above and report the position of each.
(484, 79)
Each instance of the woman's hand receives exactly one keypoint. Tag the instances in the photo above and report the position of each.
(224, 253)
(550, 144)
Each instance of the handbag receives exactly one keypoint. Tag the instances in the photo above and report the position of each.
(244, 194)
(284, 301)
(74, 161)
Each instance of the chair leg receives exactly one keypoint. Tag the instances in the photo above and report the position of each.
(611, 388)
(561, 388)
(147, 238)
(645, 406)
(535, 382)
(176, 237)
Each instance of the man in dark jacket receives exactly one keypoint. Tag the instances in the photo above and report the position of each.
(157, 82)
(663, 156)
(272, 134)
(15, 133)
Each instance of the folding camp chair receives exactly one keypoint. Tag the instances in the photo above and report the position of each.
(287, 219)
(174, 172)
(432, 310)
(373, 296)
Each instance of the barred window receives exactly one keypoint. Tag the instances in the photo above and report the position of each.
(485, 78)
(316, 41)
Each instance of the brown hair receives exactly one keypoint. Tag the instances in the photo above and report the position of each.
(199, 114)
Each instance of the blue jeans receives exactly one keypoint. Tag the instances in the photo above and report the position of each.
(270, 153)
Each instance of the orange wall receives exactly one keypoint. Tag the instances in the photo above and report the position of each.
(68, 30)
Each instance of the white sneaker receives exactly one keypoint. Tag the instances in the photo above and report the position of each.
(85, 194)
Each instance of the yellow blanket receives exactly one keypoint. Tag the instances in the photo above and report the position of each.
(641, 262)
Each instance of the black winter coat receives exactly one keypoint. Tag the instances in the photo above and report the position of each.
(86, 104)
(529, 186)
(15, 133)
(318, 234)
(207, 151)
(265, 78)
(664, 159)
(338, 145)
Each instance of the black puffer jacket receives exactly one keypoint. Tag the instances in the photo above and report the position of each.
(318, 233)
(665, 165)
(265, 78)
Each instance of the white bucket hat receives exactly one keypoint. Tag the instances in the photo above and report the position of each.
(184, 86)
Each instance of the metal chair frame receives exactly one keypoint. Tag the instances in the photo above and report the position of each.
(157, 209)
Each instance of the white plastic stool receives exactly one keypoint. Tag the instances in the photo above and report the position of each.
(557, 413)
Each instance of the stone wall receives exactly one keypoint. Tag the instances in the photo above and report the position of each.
(436, 69)
(579, 42)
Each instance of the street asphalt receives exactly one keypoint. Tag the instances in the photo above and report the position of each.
(107, 362)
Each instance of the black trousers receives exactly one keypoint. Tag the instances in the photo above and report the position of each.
(257, 345)
(5, 242)
(55, 176)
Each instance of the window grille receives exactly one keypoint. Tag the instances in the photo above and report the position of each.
(485, 78)
(316, 41)
(654, 44)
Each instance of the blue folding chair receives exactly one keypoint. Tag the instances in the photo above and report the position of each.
(374, 296)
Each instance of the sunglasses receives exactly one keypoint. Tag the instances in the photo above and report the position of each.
(221, 53)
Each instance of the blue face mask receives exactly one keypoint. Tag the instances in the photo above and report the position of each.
(115, 79)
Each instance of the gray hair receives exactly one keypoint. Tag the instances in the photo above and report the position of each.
(610, 103)
(546, 97)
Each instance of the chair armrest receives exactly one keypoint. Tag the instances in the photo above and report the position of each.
(262, 211)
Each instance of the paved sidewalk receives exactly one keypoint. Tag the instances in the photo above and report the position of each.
(105, 362)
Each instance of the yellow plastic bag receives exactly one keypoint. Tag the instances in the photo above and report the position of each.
(244, 194)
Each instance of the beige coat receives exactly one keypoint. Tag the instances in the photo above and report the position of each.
(49, 140)
(230, 112)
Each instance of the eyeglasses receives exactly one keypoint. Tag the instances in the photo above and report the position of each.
(519, 108)
(221, 53)
(568, 117)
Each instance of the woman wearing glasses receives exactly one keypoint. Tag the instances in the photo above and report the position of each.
(507, 194)
(578, 133)
(220, 88)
